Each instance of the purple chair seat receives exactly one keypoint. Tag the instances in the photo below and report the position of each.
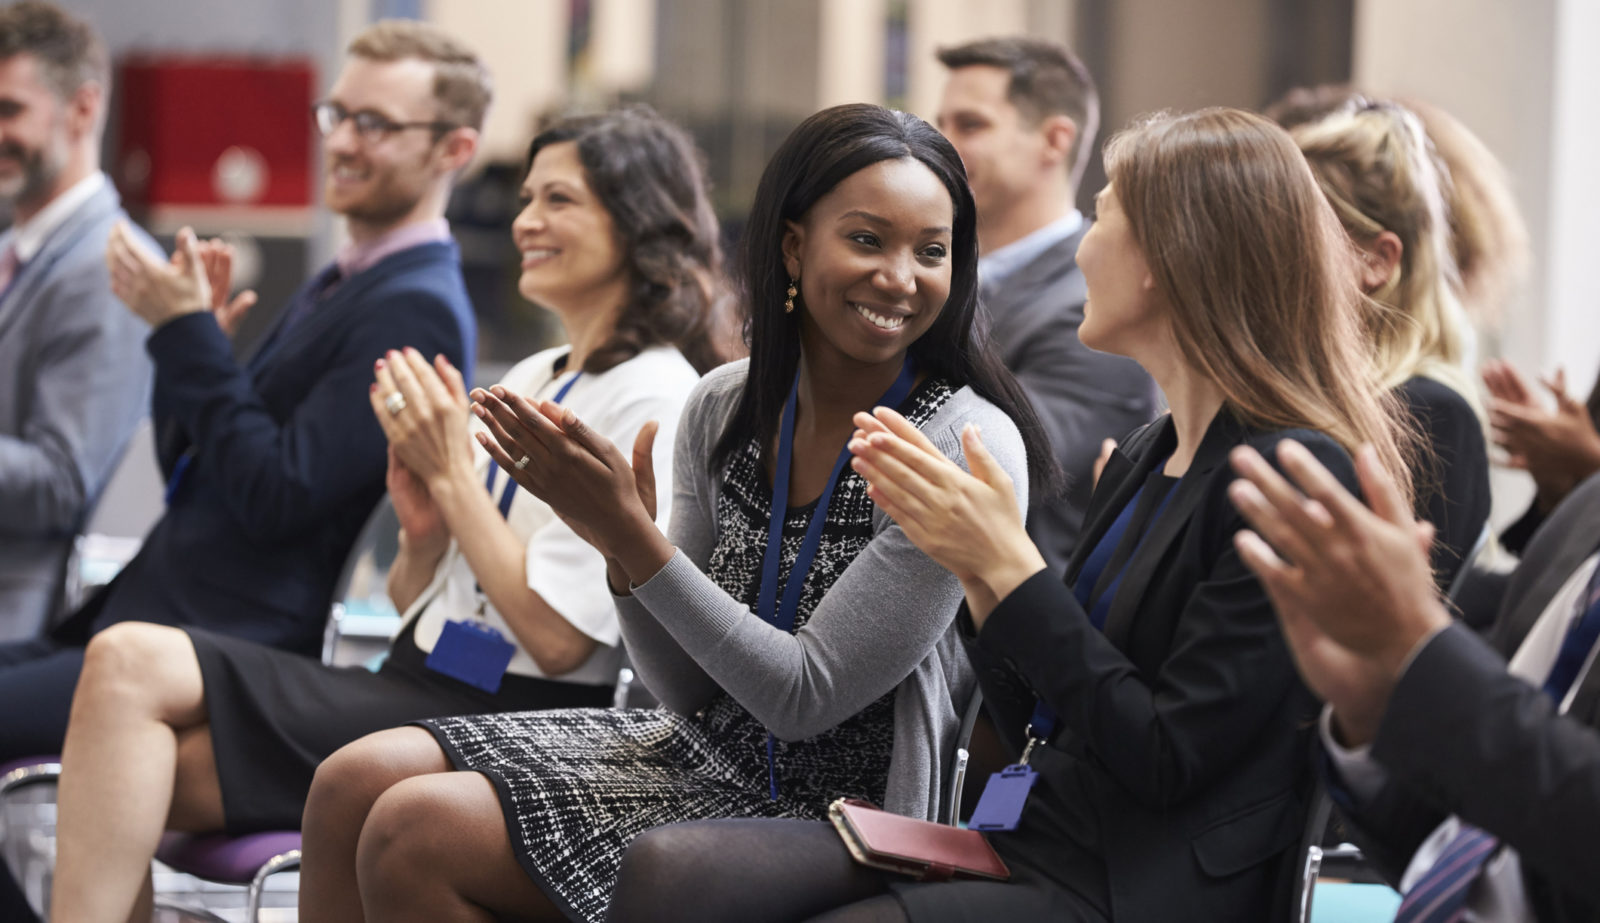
(25, 763)
(219, 857)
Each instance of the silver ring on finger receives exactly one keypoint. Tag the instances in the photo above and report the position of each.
(394, 403)
(522, 462)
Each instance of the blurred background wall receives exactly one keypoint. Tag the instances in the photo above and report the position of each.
(740, 73)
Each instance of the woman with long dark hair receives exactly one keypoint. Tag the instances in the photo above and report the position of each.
(802, 644)
(1159, 734)
(191, 730)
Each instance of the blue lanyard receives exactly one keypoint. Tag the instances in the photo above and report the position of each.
(179, 469)
(1042, 723)
(510, 493)
(767, 606)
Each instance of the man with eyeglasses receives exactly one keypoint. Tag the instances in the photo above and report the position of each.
(274, 464)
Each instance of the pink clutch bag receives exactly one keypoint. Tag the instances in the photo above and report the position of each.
(926, 851)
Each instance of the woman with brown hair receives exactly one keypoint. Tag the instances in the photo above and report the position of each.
(1374, 163)
(1149, 698)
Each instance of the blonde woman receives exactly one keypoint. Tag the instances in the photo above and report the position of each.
(1378, 170)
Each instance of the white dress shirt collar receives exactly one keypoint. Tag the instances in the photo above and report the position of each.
(994, 268)
(30, 235)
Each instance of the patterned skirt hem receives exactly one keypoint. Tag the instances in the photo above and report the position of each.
(508, 814)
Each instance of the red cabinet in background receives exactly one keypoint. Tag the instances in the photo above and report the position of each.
(201, 133)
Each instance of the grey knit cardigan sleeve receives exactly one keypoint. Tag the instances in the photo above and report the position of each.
(886, 623)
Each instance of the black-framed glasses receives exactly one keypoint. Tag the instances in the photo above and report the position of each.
(371, 126)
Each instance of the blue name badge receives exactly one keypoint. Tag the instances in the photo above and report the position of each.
(475, 654)
(1000, 805)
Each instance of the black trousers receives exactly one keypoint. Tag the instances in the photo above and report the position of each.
(37, 679)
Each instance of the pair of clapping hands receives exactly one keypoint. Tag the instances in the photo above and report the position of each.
(1355, 603)
(197, 277)
(605, 498)
(1558, 447)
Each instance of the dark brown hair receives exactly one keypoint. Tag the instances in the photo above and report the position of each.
(1046, 78)
(648, 176)
(69, 53)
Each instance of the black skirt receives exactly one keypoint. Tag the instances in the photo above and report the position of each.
(274, 715)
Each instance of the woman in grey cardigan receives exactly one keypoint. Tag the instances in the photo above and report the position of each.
(804, 649)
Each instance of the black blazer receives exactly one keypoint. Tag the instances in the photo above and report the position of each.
(1081, 396)
(1184, 724)
(1453, 492)
(287, 458)
(1462, 736)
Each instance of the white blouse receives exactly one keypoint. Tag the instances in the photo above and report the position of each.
(566, 572)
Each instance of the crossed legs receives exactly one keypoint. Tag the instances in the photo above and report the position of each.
(137, 760)
(391, 832)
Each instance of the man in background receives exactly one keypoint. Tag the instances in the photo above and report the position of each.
(1022, 113)
(73, 376)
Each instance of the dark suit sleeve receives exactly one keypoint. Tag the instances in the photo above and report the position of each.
(1165, 736)
(280, 477)
(89, 382)
(1081, 396)
(1488, 747)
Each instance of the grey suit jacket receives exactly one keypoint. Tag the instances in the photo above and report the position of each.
(1081, 396)
(1462, 736)
(75, 383)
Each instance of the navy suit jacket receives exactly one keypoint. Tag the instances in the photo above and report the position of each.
(1462, 736)
(287, 460)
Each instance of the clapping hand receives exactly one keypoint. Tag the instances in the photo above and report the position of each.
(158, 291)
(423, 411)
(582, 475)
(217, 257)
(421, 521)
(968, 523)
(1557, 448)
(1351, 585)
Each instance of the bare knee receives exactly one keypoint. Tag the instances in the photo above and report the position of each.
(404, 839)
(349, 782)
(153, 665)
(401, 810)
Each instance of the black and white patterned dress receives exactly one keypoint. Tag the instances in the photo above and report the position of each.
(578, 785)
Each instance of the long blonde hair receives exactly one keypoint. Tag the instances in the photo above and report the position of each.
(1487, 234)
(1378, 170)
(1261, 278)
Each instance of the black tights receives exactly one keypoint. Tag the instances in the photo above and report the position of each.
(785, 871)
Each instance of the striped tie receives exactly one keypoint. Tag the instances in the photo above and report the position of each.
(1440, 896)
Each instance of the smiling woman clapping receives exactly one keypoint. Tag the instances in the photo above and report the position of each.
(803, 646)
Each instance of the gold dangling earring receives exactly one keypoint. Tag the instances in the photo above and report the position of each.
(788, 304)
